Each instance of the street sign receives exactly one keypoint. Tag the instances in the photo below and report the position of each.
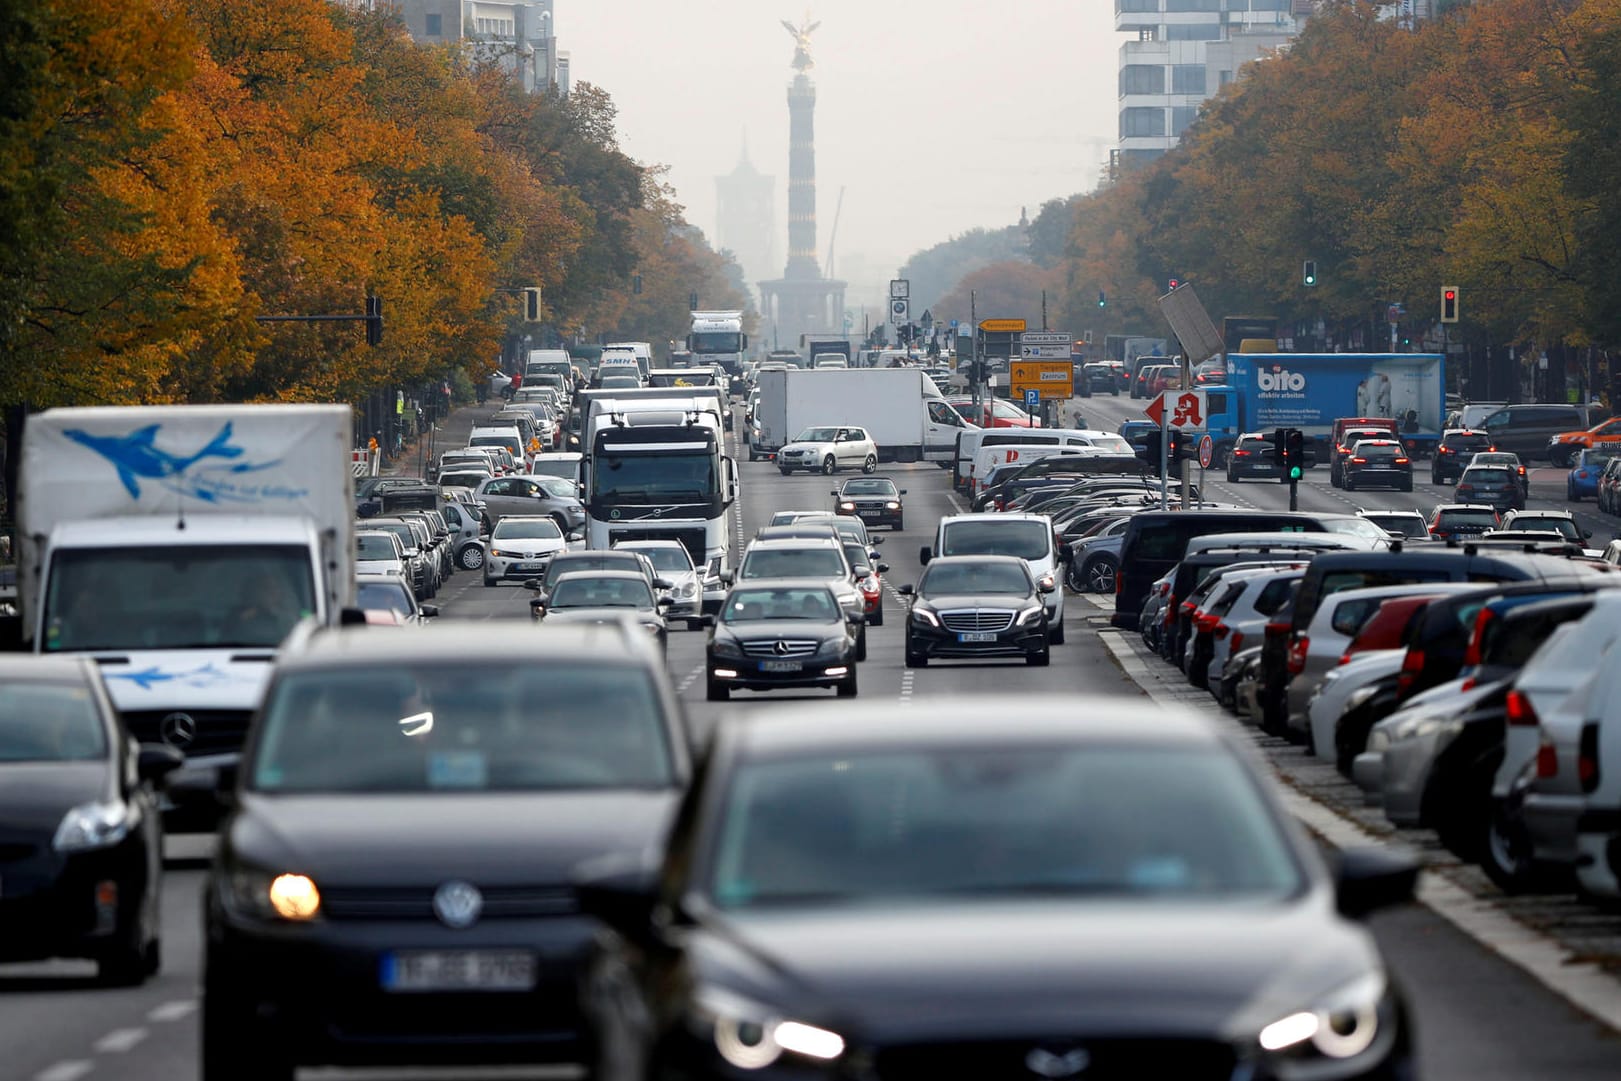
(1044, 337)
(1002, 326)
(1199, 337)
(1185, 410)
(1043, 352)
(898, 309)
(1052, 379)
(900, 288)
(1207, 451)
(1032, 400)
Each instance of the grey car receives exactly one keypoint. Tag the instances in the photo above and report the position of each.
(1490, 485)
(551, 497)
(607, 597)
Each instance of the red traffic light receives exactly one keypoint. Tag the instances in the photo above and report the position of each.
(1451, 294)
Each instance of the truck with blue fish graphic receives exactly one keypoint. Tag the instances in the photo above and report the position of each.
(179, 545)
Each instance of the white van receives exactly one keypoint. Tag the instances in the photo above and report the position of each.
(506, 436)
(1028, 536)
(618, 362)
(989, 459)
(642, 351)
(970, 441)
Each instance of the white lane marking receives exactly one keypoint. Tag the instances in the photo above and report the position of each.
(173, 1011)
(1583, 984)
(120, 1040)
(953, 501)
(907, 676)
(69, 1070)
(690, 678)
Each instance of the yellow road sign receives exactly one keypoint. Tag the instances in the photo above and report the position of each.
(1051, 378)
(1002, 326)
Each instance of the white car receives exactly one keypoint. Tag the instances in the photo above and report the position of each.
(520, 546)
(673, 563)
(828, 449)
(379, 552)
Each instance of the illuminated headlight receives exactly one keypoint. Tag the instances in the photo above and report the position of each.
(290, 897)
(924, 615)
(750, 1037)
(1030, 615)
(892, 506)
(498, 554)
(847, 506)
(1344, 1025)
(652, 628)
(93, 825)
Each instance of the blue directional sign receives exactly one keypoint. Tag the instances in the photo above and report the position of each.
(1032, 400)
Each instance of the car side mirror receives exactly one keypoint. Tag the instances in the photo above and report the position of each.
(924, 555)
(430, 611)
(834, 492)
(706, 620)
(1065, 555)
(906, 590)
(1045, 587)
(727, 578)
(576, 535)
(155, 761)
(875, 540)
(902, 491)
(663, 583)
(665, 602)
(883, 568)
(1368, 879)
(533, 584)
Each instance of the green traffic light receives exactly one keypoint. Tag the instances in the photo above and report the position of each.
(1295, 472)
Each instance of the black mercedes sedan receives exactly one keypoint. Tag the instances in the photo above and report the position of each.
(393, 884)
(875, 500)
(81, 837)
(778, 634)
(976, 606)
(920, 896)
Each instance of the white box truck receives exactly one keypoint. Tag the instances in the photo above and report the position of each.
(717, 337)
(179, 545)
(901, 409)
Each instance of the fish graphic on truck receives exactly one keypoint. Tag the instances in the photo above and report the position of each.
(137, 457)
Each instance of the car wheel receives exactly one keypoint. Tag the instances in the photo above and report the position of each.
(915, 659)
(870, 465)
(876, 619)
(130, 961)
(1570, 494)
(900, 524)
(232, 1046)
(1039, 660)
(1232, 478)
(471, 558)
(830, 465)
(847, 685)
(1348, 484)
(861, 643)
(1099, 574)
(1505, 853)
(783, 471)
(716, 691)
(489, 582)
(1055, 633)
(1435, 478)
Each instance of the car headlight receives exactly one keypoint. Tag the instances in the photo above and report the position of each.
(925, 615)
(750, 1036)
(497, 553)
(688, 589)
(93, 825)
(1343, 1025)
(1030, 615)
(892, 506)
(725, 647)
(847, 506)
(268, 895)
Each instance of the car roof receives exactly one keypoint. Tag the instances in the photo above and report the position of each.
(988, 516)
(775, 543)
(1462, 431)
(949, 561)
(960, 722)
(783, 583)
(380, 579)
(45, 669)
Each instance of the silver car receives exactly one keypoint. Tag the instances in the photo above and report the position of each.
(532, 495)
(674, 564)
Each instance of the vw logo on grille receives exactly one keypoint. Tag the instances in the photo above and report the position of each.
(458, 904)
(178, 729)
(657, 511)
(1051, 1064)
(781, 647)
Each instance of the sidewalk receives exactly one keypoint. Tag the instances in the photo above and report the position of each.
(449, 434)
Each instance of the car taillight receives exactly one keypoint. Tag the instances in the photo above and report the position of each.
(1401, 461)
(1587, 757)
(1443, 450)
(1297, 654)
(1237, 641)
(1471, 655)
(1220, 629)
(1411, 666)
(1119, 580)
(1468, 684)
(1360, 461)
(1345, 658)
(1581, 474)
(1279, 628)
(1241, 454)
(1547, 761)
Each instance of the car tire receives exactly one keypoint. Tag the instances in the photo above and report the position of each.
(915, 659)
(900, 524)
(1099, 574)
(1039, 660)
(870, 465)
(861, 643)
(1505, 854)
(847, 686)
(489, 583)
(1232, 478)
(1347, 483)
(471, 558)
(830, 465)
(130, 962)
(784, 472)
(232, 1048)
(1055, 634)
(876, 619)
(1570, 494)
(716, 691)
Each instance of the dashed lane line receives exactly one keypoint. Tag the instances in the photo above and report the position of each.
(67, 1070)
(120, 1040)
(689, 679)
(907, 678)
(177, 1010)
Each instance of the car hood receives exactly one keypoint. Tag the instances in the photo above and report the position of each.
(35, 795)
(606, 613)
(1005, 602)
(754, 630)
(957, 971)
(425, 839)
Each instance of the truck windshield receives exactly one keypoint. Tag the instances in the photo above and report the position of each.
(175, 598)
(654, 477)
(717, 341)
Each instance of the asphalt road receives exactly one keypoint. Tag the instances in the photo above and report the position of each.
(1478, 1017)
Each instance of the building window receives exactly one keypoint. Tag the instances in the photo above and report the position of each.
(1193, 32)
(1187, 79)
(1181, 117)
(1192, 5)
(1223, 78)
(1142, 79)
(1136, 5)
(435, 25)
(1141, 122)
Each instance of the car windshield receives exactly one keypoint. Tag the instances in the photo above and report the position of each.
(752, 604)
(857, 557)
(1164, 823)
(463, 480)
(492, 727)
(793, 563)
(526, 529)
(1025, 539)
(375, 546)
(868, 487)
(672, 559)
(584, 591)
(556, 486)
(1485, 518)
(1407, 525)
(50, 722)
(384, 596)
(567, 470)
(943, 579)
(590, 561)
(816, 435)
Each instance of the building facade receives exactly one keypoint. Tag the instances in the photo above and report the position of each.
(519, 35)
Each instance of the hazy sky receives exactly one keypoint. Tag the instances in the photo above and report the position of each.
(935, 116)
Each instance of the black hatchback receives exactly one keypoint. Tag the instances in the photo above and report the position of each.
(1377, 463)
(1453, 452)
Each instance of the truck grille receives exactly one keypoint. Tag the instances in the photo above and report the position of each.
(977, 621)
(792, 647)
(213, 731)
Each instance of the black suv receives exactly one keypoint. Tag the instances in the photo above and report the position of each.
(1526, 429)
(1377, 462)
(1453, 452)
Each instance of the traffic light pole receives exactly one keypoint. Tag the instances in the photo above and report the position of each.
(1164, 466)
(1294, 495)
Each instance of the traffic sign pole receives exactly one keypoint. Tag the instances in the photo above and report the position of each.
(1164, 455)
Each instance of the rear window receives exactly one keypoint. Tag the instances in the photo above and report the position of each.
(1275, 595)
(1486, 476)
(1349, 617)
(1484, 518)
(1339, 582)
(1382, 452)
(1468, 442)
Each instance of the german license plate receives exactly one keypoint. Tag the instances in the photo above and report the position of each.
(458, 970)
(529, 567)
(976, 636)
(782, 666)
(869, 512)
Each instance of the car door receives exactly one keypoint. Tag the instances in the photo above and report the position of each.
(843, 448)
(940, 432)
(499, 498)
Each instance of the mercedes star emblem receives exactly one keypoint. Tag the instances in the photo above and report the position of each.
(178, 729)
(458, 904)
(781, 647)
(1050, 1064)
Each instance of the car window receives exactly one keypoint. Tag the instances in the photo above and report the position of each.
(384, 596)
(943, 579)
(50, 722)
(751, 604)
(1024, 539)
(527, 529)
(375, 546)
(587, 592)
(793, 563)
(1486, 476)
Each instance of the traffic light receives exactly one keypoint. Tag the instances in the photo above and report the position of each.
(374, 320)
(1178, 446)
(1449, 303)
(1308, 272)
(1151, 453)
(1102, 299)
(1174, 283)
(1294, 454)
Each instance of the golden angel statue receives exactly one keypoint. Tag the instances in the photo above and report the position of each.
(802, 57)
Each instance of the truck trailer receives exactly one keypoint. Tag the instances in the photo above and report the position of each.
(901, 408)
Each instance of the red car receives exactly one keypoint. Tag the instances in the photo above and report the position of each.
(993, 413)
(869, 581)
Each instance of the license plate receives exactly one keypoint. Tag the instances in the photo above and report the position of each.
(782, 666)
(976, 636)
(458, 970)
(869, 513)
(529, 566)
